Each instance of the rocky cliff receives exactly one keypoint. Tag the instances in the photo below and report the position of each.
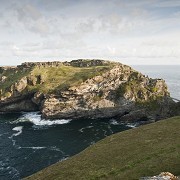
(83, 89)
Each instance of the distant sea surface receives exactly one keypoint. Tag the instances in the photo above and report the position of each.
(29, 143)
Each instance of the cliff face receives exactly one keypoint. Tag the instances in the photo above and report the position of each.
(83, 89)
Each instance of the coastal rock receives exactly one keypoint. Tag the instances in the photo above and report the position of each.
(18, 104)
(38, 98)
(20, 85)
(85, 89)
(3, 78)
(101, 95)
(162, 176)
(175, 109)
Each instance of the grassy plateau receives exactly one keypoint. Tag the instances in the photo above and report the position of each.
(54, 79)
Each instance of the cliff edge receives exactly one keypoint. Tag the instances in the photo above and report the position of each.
(83, 89)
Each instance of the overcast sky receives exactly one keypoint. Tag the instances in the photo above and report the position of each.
(131, 31)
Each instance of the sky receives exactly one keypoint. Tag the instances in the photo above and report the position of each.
(129, 31)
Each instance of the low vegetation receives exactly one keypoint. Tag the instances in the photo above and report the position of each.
(62, 77)
(13, 75)
(144, 151)
(48, 79)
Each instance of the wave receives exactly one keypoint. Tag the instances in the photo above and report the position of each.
(114, 122)
(132, 125)
(88, 127)
(51, 148)
(18, 129)
(35, 118)
(31, 147)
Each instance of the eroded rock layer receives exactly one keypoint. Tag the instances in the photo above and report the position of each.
(83, 89)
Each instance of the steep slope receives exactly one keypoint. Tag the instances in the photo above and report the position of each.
(83, 89)
(143, 151)
(28, 84)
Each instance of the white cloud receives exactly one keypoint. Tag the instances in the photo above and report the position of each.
(32, 19)
(27, 12)
(89, 29)
(85, 26)
(167, 3)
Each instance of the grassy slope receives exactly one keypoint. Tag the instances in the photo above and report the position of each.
(54, 78)
(13, 76)
(62, 77)
(144, 151)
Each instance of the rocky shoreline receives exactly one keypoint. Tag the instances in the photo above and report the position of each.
(107, 90)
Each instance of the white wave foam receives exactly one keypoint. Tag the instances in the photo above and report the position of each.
(82, 129)
(131, 125)
(18, 129)
(32, 147)
(18, 120)
(49, 122)
(52, 148)
(64, 158)
(35, 118)
(114, 122)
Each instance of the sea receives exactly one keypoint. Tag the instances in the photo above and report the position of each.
(29, 143)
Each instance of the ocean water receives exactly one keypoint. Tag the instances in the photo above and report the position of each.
(29, 143)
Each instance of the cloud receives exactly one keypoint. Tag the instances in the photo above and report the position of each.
(28, 11)
(112, 50)
(121, 25)
(40, 27)
(58, 4)
(110, 22)
(105, 29)
(134, 4)
(167, 3)
(1, 15)
(85, 26)
(32, 19)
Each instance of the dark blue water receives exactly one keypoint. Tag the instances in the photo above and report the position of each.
(28, 143)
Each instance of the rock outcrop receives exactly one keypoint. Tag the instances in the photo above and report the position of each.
(161, 176)
(84, 89)
(19, 103)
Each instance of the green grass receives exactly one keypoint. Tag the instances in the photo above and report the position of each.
(62, 77)
(144, 151)
(13, 75)
(54, 79)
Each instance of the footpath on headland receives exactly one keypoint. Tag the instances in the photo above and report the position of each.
(144, 151)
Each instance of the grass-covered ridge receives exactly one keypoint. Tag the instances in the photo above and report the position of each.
(49, 78)
(144, 151)
(12, 75)
(62, 77)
